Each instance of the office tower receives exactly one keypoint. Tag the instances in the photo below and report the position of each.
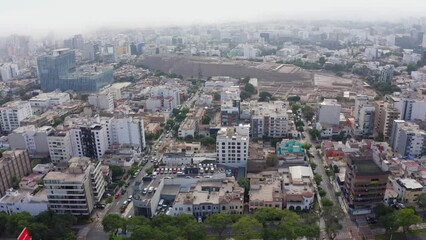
(12, 113)
(76, 42)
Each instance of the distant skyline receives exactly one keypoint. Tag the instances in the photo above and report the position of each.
(38, 17)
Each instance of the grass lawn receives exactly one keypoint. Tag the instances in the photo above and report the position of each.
(401, 235)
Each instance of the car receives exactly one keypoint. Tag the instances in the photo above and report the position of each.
(145, 190)
(371, 220)
(100, 206)
(155, 189)
(130, 198)
(125, 203)
(130, 216)
(174, 171)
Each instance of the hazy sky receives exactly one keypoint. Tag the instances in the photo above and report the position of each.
(73, 16)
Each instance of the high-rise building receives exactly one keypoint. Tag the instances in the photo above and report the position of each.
(128, 131)
(385, 114)
(102, 100)
(329, 112)
(232, 146)
(365, 183)
(407, 139)
(12, 113)
(77, 189)
(58, 71)
(89, 140)
(360, 101)
(269, 119)
(76, 42)
(411, 109)
(386, 74)
(366, 120)
(13, 164)
(8, 71)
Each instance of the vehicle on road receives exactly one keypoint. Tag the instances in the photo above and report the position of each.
(151, 189)
(145, 190)
(117, 195)
(125, 203)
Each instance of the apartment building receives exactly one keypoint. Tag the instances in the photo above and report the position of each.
(17, 201)
(360, 101)
(31, 138)
(266, 190)
(365, 183)
(45, 101)
(13, 164)
(12, 114)
(230, 106)
(329, 112)
(232, 144)
(366, 120)
(126, 130)
(385, 114)
(60, 149)
(269, 119)
(77, 189)
(208, 197)
(408, 189)
(407, 139)
(411, 109)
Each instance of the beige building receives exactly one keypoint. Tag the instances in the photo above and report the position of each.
(13, 164)
(407, 189)
(265, 191)
(77, 189)
(31, 138)
(385, 114)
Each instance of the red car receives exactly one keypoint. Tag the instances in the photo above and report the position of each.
(117, 195)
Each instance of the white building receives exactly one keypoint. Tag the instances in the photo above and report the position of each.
(409, 57)
(232, 145)
(16, 201)
(176, 158)
(408, 139)
(371, 53)
(31, 138)
(60, 148)
(127, 131)
(298, 187)
(12, 113)
(45, 101)
(166, 91)
(103, 100)
(329, 112)
(249, 52)
(155, 104)
(360, 101)
(366, 120)
(411, 109)
(116, 89)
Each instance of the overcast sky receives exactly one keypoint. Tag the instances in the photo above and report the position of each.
(37, 17)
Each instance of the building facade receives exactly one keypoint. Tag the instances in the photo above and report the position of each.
(12, 114)
(13, 164)
(232, 144)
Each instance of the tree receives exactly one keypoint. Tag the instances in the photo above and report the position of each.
(295, 108)
(332, 216)
(272, 160)
(307, 146)
(219, 222)
(421, 202)
(336, 169)
(116, 171)
(147, 232)
(313, 165)
(308, 112)
(149, 170)
(15, 182)
(193, 231)
(247, 228)
(216, 96)
(208, 141)
(245, 95)
(326, 202)
(317, 178)
(264, 96)
(3, 221)
(388, 223)
(248, 87)
(293, 98)
(206, 119)
(411, 67)
(321, 60)
(322, 192)
(290, 228)
(314, 133)
(245, 183)
(405, 218)
(112, 222)
(39, 231)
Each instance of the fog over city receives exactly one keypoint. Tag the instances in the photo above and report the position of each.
(63, 17)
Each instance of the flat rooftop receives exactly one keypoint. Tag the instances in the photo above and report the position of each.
(367, 167)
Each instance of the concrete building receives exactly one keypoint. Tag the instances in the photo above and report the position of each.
(329, 112)
(408, 189)
(60, 148)
(386, 74)
(31, 138)
(363, 171)
(8, 71)
(265, 191)
(177, 158)
(13, 164)
(127, 131)
(103, 100)
(116, 89)
(88, 138)
(232, 144)
(411, 109)
(407, 139)
(229, 115)
(208, 197)
(77, 189)
(187, 128)
(155, 104)
(360, 101)
(385, 114)
(269, 119)
(17, 201)
(58, 71)
(366, 120)
(12, 113)
(45, 101)
(299, 189)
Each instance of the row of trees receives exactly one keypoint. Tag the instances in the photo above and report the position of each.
(391, 220)
(45, 226)
(267, 223)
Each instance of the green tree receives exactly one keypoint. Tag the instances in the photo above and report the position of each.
(322, 192)
(147, 232)
(247, 228)
(388, 223)
(307, 146)
(219, 222)
(317, 178)
(39, 231)
(116, 171)
(321, 60)
(149, 170)
(18, 221)
(132, 170)
(314, 133)
(421, 202)
(3, 222)
(109, 199)
(293, 98)
(245, 95)
(245, 183)
(248, 87)
(206, 119)
(266, 214)
(216, 96)
(264, 96)
(193, 231)
(326, 202)
(308, 112)
(332, 216)
(272, 160)
(291, 226)
(336, 169)
(405, 218)
(208, 141)
(411, 67)
(112, 222)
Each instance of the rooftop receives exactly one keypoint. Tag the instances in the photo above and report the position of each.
(367, 167)
(410, 183)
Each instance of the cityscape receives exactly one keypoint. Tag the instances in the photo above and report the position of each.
(214, 128)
